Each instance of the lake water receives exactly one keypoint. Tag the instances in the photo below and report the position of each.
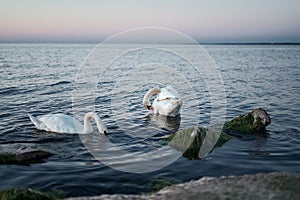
(39, 79)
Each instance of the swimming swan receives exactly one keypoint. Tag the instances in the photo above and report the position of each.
(166, 103)
(61, 123)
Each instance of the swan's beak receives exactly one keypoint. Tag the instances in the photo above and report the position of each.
(105, 130)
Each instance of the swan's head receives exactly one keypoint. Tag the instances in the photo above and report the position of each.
(101, 127)
(88, 126)
(105, 131)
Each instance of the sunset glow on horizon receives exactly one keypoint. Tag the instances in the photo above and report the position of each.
(94, 20)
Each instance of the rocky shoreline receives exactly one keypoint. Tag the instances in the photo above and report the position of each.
(276, 185)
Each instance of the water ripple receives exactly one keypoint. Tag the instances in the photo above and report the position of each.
(38, 79)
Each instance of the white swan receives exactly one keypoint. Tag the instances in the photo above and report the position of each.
(61, 123)
(166, 103)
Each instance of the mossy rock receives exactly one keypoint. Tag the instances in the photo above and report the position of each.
(26, 157)
(190, 140)
(30, 194)
(160, 183)
(252, 122)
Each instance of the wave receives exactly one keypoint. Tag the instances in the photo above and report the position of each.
(60, 83)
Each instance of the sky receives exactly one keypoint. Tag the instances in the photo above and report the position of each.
(203, 20)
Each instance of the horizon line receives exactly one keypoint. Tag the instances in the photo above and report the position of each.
(202, 43)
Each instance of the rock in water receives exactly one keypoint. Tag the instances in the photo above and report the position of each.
(35, 155)
(254, 121)
(190, 140)
(24, 155)
(262, 115)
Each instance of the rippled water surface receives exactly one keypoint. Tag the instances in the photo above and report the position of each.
(39, 79)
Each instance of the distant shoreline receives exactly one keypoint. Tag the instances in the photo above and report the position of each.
(253, 43)
(204, 43)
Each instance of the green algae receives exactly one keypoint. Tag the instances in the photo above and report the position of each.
(30, 194)
(160, 183)
(7, 158)
(190, 140)
(251, 122)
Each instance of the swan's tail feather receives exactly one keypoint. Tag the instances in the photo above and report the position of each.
(37, 123)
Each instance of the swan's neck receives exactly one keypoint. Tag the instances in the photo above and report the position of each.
(87, 126)
(148, 95)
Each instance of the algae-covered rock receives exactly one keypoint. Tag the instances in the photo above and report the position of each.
(26, 156)
(29, 194)
(190, 140)
(160, 183)
(254, 121)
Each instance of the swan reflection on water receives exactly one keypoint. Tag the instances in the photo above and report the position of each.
(140, 153)
(170, 124)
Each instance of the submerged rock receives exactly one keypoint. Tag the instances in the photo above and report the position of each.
(13, 154)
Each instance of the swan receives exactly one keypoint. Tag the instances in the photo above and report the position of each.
(166, 103)
(61, 123)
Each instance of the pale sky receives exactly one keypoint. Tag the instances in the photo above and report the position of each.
(203, 20)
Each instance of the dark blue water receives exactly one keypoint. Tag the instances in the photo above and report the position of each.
(38, 79)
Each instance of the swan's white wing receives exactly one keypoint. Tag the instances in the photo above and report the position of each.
(37, 123)
(168, 102)
(168, 92)
(173, 91)
(61, 123)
